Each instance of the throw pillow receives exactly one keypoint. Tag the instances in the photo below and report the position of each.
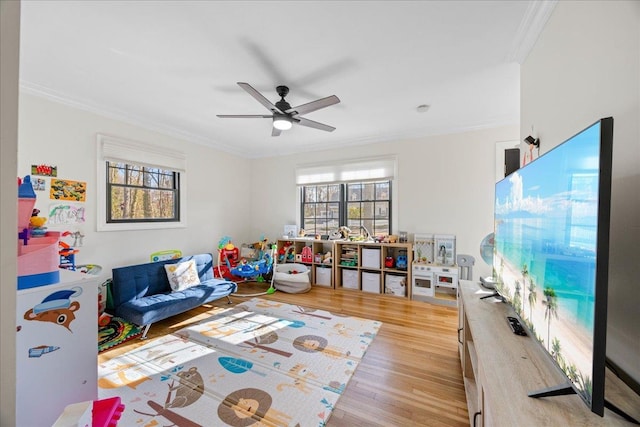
(182, 275)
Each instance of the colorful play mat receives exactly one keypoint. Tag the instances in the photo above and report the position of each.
(116, 332)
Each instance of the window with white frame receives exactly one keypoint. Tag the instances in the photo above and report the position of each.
(140, 186)
(357, 194)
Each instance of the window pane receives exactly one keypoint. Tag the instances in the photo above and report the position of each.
(333, 210)
(354, 210)
(309, 194)
(309, 226)
(165, 181)
(354, 192)
(382, 191)
(367, 210)
(382, 210)
(321, 210)
(309, 211)
(354, 225)
(116, 175)
(134, 176)
(334, 193)
(368, 191)
(138, 203)
(322, 193)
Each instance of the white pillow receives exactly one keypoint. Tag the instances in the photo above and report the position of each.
(182, 275)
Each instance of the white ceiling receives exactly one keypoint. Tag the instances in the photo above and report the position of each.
(172, 66)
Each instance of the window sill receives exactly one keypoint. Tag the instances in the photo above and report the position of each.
(141, 226)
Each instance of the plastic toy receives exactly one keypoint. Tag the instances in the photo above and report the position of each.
(67, 256)
(37, 254)
(232, 267)
(401, 262)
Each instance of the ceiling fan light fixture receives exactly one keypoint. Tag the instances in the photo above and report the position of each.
(282, 123)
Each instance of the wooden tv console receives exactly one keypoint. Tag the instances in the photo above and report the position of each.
(500, 368)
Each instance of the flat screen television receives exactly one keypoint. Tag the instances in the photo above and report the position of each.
(551, 255)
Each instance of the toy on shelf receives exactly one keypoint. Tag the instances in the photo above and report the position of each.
(37, 252)
(307, 255)
(67, 256)
(401, 261)
(286, 253)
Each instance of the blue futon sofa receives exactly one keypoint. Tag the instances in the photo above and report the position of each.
(142, 294)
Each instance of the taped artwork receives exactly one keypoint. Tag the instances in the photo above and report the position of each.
(65, 213)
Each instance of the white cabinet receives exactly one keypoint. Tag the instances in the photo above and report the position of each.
(56, 348)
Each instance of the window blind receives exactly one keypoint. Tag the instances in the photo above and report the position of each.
(132, 152)
(351, 171)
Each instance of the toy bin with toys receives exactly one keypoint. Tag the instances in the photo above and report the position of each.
(38, 257)
(292, 278)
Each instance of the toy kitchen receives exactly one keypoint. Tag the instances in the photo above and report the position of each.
(434, 275)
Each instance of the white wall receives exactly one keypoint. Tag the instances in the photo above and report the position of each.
(217, 183)
(585, 66)
(445, 185)
(9, 73)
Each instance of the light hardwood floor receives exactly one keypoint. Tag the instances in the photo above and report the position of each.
(411, 374)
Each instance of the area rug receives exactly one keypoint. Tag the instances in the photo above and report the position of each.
(260, 363)
(116, 332)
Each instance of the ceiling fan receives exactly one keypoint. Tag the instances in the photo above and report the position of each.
(283, 114)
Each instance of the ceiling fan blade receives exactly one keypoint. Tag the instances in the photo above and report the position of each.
(310, 123)
(314, 105)
(275, 132)
(243, 116)
(259, 97)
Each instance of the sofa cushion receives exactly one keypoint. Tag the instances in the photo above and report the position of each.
(153, 308)
(182, 275)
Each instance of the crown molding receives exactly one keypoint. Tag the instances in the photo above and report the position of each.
(531, 26)
(115, 114)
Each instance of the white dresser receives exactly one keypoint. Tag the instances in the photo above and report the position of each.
(56, 348)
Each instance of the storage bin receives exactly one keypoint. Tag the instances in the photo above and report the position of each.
(370, 258)
(323, 276)
(395, 285)
(371, 282)
(350, 279)
(292, 278)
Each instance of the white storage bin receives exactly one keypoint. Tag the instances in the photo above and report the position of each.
(370, 258)
(371, 282)
(350, 278)
(395, 285)
(323, 276)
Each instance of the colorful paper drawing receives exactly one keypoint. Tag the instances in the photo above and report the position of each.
(64, 189)
(44, 170)
(65, 213)
(39, 184)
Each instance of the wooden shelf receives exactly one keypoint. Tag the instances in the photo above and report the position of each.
(501, 368)
(368, 260)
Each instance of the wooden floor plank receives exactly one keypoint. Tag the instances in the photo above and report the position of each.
(411, 374)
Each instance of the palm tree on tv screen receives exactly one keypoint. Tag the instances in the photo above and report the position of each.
(533, 297)
(550, 310)
(525, 273)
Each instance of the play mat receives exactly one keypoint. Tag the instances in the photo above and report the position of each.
(261, 363)
(116, 332)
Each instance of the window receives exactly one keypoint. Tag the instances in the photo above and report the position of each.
(354, 204)
(355, 193)
(139, 186)
(141, 194)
